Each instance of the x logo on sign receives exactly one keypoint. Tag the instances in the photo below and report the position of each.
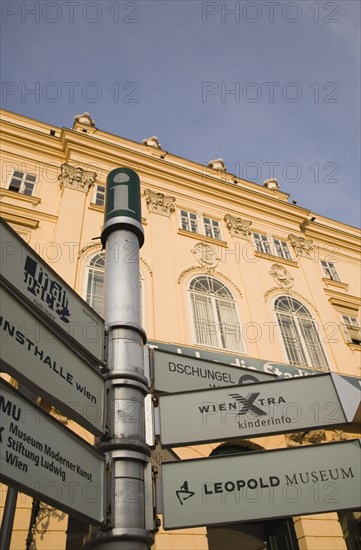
(248, 403)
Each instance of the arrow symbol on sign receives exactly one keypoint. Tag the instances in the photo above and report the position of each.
(184, 493)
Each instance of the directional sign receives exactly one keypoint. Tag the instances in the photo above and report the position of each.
(38, 283)
(173, 373)
(44, 459)
(256, 409)
(262, 485)
(32, 353)
(253, 364)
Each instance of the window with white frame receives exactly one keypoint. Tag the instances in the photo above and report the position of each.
(271, 246)
(99, 195)
(203, 225)
(211, 228)
(22, 182)
(214, 314)
(330, 270)
(95, 285)
(299, 334)
(352, 329)
(189, 221)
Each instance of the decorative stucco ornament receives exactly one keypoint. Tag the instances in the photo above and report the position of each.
(281, 275)
(238, 227)
(85, 118)
(271, 183)
(217, 164)
(75, 177)
(159, 203)
(207, 256)
(301, 245)
(152, 141)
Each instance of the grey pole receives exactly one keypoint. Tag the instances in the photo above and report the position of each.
(125, 448)
(8, 518)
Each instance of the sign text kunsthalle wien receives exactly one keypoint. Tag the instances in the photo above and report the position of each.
(52, 341)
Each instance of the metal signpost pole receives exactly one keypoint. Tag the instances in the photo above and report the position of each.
(125, 448)
(8, 518)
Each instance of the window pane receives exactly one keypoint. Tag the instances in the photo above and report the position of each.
(291, 340)
(203, 320)
(262, 243)
(28, 189)
(100, 195)
(15, 185)
(282, 249)
(189, 221)
(211, 228)
(95, 290)
(313, 344)
(330, 270)
(230, 330)
(214, 314)
(299, 334)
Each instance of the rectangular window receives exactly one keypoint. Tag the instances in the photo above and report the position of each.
(262, 243)
(353, 329)
(211, 228)
(281, 249)
(189, 221)
(21, 182)
(330, 270)
(273, 247)
(100, 195)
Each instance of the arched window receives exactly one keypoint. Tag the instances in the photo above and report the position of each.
(214, 315)
(95, 285)
(299, 334)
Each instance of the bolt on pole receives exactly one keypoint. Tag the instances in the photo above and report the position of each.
(125, 445)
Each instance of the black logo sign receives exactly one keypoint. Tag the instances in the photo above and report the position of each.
(184, 493)
(248, 403)
(49, 291)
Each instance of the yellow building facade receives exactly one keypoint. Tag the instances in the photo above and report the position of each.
(229, 268)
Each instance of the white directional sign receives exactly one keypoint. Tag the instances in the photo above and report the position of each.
(30, 352)
(44, 459)
(256, 409)
(262, 485)
(37, 282)
(252, 364)
(173, 372)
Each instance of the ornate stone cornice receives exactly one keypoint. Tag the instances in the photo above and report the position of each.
(159, 203)
(75, 177)
(238, 227)
(282, 276)
(302, 246)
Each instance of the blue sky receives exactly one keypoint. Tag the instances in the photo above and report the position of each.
(272, 87)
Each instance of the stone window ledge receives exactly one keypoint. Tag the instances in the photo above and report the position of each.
(276, 259)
